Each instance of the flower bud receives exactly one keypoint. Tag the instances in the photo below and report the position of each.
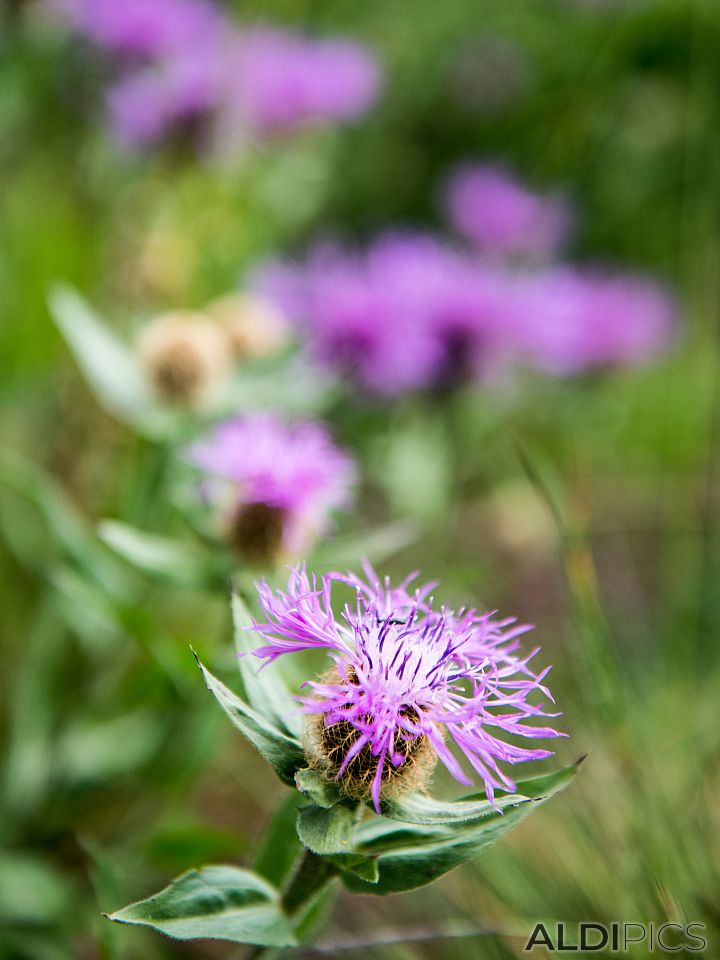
(186, 356)
(255, 326)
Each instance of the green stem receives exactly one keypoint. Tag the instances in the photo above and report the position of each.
(312, 874)
(310, 878)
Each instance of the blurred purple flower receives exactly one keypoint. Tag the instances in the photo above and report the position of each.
(147, 102)
(195, 62)
(408, 313)
(292, 471)
(406, 677)
(501, 217)
(278, 80)
(572, 319)
(147, 28)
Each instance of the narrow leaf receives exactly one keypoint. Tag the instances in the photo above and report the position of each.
(283, 753)
(263, 686)
(420, 809)
(217, 903)
(108, 364)
(412, 855)
(164, 557)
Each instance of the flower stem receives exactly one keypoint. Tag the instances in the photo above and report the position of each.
(312, 875)
(309, 879)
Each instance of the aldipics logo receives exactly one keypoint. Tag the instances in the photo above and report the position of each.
(619, 937)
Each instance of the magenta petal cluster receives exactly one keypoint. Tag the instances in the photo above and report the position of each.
(406, 671)
(293, 467)
(409, 312)
(502, 217)
(277, 80)
(573, 319)
(413, 311)
(183, 60)
(142, 28)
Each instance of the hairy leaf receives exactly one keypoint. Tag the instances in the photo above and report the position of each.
(284, 753)
(263, 686)
(412, 855)
(328, 832)
(217, 903)
(316, 787)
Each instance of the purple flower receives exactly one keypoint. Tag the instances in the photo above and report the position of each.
(241, 82)
(408, 682)
(410, 312)
(570, 319)
(146, 28)
(275, 483)
(501, 217)
(147, 102)
(278, 80)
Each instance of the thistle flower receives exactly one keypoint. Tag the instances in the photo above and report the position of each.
(278, 80)
(186, 60)
(138, 27)
(501, 217)
(274, 483)
(572, 320)
(408, 683)
(186, 357)
(410, 312)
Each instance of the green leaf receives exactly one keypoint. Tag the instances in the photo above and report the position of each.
(31, 890)
(377, 545)
(328, 832)
(412, 855)
(263, 685)
(317, 788)
(420, 809)
(280, 846)
(283, 753)
(164, 557)
(109, 364)
(87, 751)
(65, 525)
(217, 903)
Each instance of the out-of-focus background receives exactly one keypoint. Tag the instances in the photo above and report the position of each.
(578, 494)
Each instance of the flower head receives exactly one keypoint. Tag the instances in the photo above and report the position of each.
(408, 683)
(571, 320)
(409, 312)
(501, 217)
(186, 357)
(275, 482)
(278, 80)
(145, 28)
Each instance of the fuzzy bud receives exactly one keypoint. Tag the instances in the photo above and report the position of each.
(185, 355)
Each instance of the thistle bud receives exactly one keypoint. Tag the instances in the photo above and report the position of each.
(255, 326)
(186, 356)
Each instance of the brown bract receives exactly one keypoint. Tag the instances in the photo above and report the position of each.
(326, 746)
